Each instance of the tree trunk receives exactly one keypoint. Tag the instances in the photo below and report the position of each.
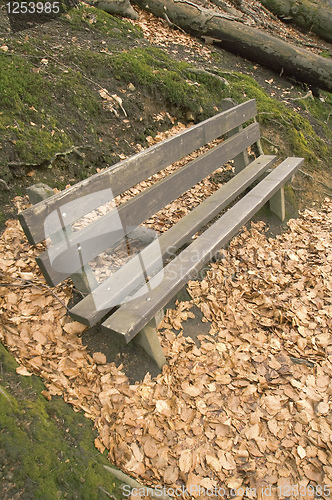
(305, 14)
(245, 41)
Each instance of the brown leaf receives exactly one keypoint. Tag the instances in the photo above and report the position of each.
(192, 484)
(191, 390)
(253, 432)
(151, 447)
(313, 473)
(21, 370)
(213, 462)
(99, 358)
(185, 460)
(171, 475)
(68, 367)
(226, 460)
(74, 327)
(99, 445)
(39, 337)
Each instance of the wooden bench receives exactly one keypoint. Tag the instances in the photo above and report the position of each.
(129, 299)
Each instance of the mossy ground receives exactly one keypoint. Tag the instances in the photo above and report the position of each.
(46, 449)
(51, 75)
(50, 78)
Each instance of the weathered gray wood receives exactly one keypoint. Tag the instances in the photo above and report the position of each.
(132, 316)
(277, 204)
(84, 279)
(241, 160)
(148, 339)
(133, 170)
(64, 258)
(95, 306)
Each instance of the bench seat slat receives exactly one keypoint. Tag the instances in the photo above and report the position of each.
(121, 283)
(133, 170)
(63, 259)
(132, 316)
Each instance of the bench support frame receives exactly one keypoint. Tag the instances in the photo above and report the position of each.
(241, 161)
(148, 339)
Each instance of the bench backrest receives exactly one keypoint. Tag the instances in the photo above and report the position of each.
(54, 216)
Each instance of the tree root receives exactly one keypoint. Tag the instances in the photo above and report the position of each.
(201, 71)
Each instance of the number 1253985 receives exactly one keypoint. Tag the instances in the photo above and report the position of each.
(33, 7)
(301, 490)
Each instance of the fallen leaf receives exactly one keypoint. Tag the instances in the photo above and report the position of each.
(21, 370)
(74, 327)
(185, 460)
(99, 358)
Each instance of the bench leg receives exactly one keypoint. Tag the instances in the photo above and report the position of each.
(277, 204)
(84, 280)
(148, 339)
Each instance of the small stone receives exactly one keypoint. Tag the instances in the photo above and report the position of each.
(131, 87)
(190, 116)
(39, 192)
(4, 48)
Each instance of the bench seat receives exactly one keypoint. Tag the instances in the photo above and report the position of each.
(130, 318)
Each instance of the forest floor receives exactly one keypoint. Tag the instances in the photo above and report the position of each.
(57, 126)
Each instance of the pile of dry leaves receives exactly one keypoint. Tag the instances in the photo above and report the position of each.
(248, 411)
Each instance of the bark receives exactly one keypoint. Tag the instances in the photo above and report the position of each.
(308, 15)
(246, 41)
(122, 7)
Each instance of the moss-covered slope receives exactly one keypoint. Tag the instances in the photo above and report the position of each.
(46, 449)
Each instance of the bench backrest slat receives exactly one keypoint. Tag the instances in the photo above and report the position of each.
(135, 169)
(69, 255)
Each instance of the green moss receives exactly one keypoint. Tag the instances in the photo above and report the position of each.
(40, 144)
(34, 134)
(320, 110)
(155, 71)
(296, 130)
(326, 53)
(19, 86)
(91, 63)
(72, 86)
(45, 447)
(102, 21)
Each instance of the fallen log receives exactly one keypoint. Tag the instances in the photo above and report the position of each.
(121, 7)
(246, 41)
(307, 15)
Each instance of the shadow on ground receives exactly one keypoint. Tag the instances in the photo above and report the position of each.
(136, 362)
